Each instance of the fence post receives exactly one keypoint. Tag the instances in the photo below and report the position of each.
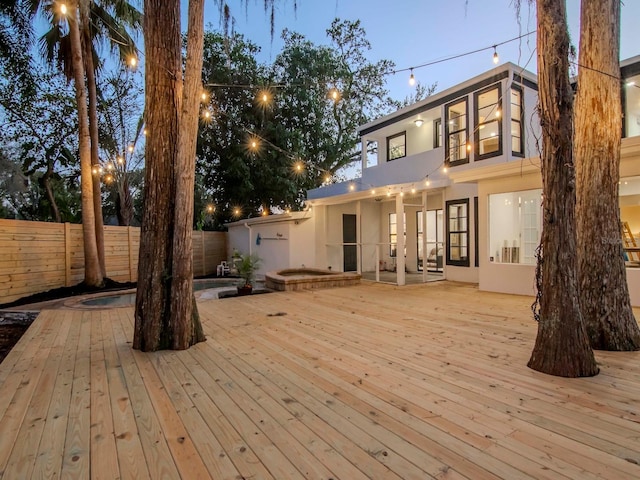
(204, 256)
(130, 249)
(67, 254)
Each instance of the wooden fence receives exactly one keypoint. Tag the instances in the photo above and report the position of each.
(39, 256)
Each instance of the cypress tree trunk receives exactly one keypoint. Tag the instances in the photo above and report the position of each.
(183, 305)
(92, 272)
(604, 293)
(165, 316)
(561, 347)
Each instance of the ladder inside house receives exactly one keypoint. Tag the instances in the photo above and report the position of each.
(629, 242)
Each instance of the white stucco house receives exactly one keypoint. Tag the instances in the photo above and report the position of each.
(458, 174)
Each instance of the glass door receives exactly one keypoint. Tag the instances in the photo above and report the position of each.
(435, 240)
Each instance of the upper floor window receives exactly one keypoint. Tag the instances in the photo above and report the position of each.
(437, 133)
(488, 119)
(458, 232)
(456, 133)
(631, 107)
(517, 122)
(397, 146)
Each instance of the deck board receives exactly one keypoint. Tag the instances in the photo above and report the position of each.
(370, 381)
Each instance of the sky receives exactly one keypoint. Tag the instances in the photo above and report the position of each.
(414, 32)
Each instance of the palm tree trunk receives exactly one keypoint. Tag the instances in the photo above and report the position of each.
(604, 293)
(46, 183)
(561, 347)
(93, 129)
(92, 272)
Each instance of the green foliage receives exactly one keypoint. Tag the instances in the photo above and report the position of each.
(247, 266)
(39, 145)
(300, 123)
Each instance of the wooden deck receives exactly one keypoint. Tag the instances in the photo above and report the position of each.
(364, 382)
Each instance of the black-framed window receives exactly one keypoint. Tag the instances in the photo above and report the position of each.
(488, 121)
(437, 133)
(457, 126)
(397, 146)
(458, 232)
(517, 121)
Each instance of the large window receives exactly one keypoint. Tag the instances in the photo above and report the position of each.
(396, 146)
(456, 133)
(458, 232)
(631, 107)
(393, 234)
(515, 225)
(517, 118)
(488, 118)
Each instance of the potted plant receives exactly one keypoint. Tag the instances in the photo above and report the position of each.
(247, 266)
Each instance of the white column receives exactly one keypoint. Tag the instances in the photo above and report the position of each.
(400, 260)
(445, 238)
(363, 141)
(359, 236)
(425, 254)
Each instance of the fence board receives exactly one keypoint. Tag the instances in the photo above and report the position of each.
(39, 256)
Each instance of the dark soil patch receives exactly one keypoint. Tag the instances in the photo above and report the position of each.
(12, 327)
(64, 292)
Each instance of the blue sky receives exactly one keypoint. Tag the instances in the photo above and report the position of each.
(413, 32)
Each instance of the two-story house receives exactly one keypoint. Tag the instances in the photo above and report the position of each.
(451, 188)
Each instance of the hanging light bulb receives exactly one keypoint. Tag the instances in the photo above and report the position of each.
(133, 61)
(412, 79)
(445, 169)
(496, 58)
(413, 189)
(352, 187)
(427, 181)
(63, 8)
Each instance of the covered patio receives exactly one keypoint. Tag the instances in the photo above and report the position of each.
(365, 382)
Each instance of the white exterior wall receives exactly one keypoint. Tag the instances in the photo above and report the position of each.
(371, 233)
(301, 246)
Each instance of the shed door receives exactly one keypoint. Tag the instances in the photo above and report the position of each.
(350, 252)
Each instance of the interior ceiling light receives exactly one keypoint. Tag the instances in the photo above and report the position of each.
(419, 122)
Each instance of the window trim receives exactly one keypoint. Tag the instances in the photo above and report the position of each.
(401, 134)
(437, 126)
(520, 120)
(476, 233)
(448, 133)
(448, 204)
(478, 124)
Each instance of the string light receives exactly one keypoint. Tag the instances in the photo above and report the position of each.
(496, 58)
(120, 160)
(63, 8)
(204, 96)
(130, 148)
(211, 208)
(413, 189)
(427, 182)
(412, 79)
(145, 132)
(334, 94)
(373, 191)
(444, 169)
(133, 61)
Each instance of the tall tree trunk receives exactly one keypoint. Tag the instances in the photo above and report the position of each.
(561, 347)
(93, 128)
(46, 183)
(183, 306)
(92, 272)
(604, 294)
(124, 202)
(159, 324)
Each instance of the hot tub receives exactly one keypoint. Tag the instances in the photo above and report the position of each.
(307, 278)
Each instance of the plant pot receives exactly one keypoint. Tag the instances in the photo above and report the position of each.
(245, 290)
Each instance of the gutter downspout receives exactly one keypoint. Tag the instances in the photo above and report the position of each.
(250, 236)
